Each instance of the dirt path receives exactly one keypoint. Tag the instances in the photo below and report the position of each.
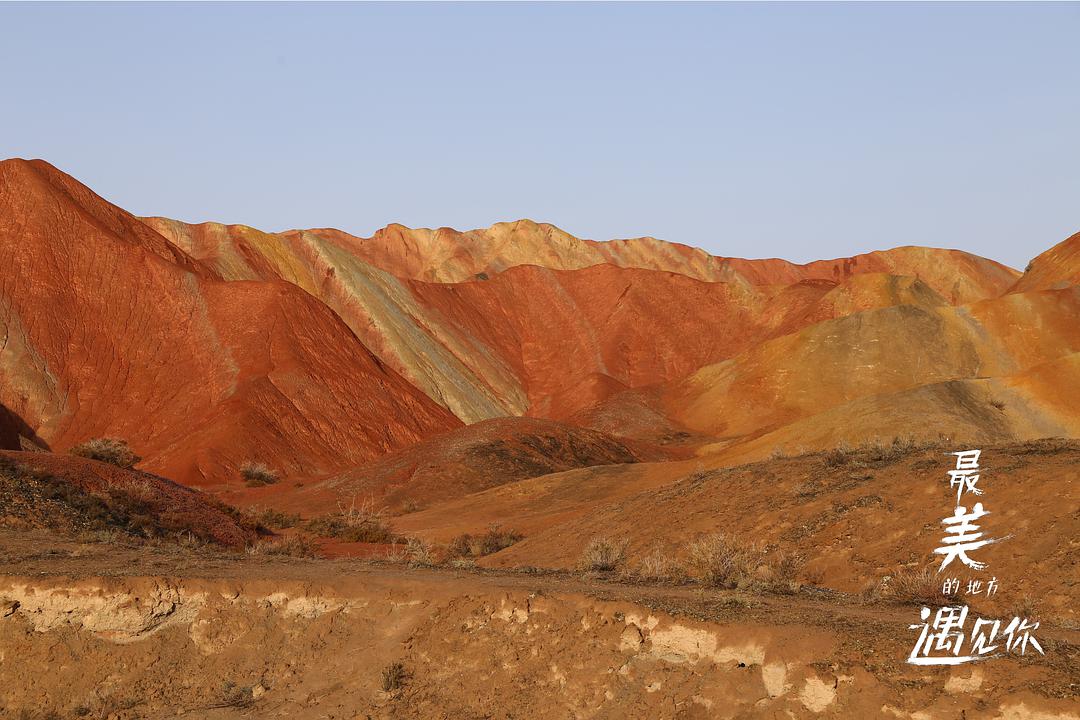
(44, 554)
(309, 638)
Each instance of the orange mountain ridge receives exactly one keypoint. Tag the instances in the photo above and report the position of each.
(318, 352)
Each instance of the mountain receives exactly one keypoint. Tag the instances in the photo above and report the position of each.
(111, 329)
(446, 256)
(1058, 267)
(318, 352)
(527, 339)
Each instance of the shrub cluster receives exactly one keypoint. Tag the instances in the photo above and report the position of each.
(354, 523)
(257, 474)
(394, 676)
(922, 586)
(130, 510)
(109, 450)
(299, 546)
(873, 453)
(717, 560)
(494, 540)
(603, 554)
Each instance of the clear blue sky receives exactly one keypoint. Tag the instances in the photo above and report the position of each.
(798, 131)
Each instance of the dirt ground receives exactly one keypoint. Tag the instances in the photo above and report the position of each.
(115, 631)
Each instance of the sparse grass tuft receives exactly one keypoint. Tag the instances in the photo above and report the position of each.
(274, 519)
(783, 569)
(494, 540)
(298, 546)
(658, 566)
(603, 554)
(1028, 607)
(722, 561)
(419, 553)
(919, 587)
(872, 453)
(354, 523)
(396, 553)
(257, 474)
(1047, 446)
(394, 677)
(108, 450)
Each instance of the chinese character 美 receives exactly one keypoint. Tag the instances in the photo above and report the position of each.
(946, 634)
(963, 537)
(966, 475)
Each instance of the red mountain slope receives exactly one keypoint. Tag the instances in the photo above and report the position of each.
(112, 330)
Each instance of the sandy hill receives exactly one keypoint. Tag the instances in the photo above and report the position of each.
(857, 515)
(463, 461)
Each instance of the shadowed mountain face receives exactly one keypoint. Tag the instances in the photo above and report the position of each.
(317, 352)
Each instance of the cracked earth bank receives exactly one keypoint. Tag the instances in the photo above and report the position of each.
(291, 639)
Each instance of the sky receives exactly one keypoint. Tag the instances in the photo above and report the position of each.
(801, 131)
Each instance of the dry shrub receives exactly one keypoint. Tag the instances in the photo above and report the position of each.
(419, 553)
(109, 450)
(494, 540)
(1027, 607)
(394, 676)
(603, 554)
(354, 523)
(410, 506)
(299, 546)
(783, 569)
(257, 474)
(658, 566)
(838, 455)
(463, 563)
(274, 519)
(396, 553)
(722, 561)
(921, 587)
(233, 695)
(1047, 446)
(872, 453)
